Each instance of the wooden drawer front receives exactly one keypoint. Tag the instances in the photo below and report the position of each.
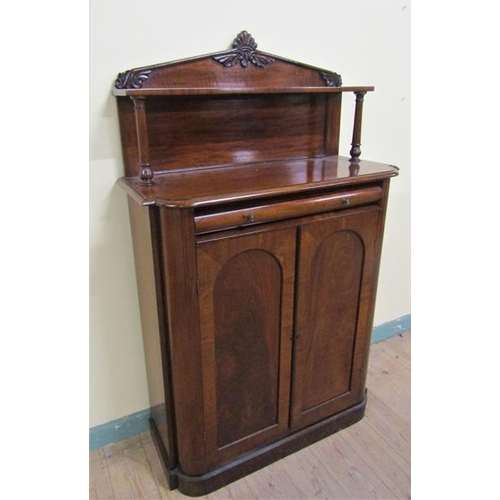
(287, 209)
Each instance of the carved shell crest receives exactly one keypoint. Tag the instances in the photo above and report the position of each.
(244, 52)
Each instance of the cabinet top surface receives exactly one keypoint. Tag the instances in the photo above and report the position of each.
(225, 184)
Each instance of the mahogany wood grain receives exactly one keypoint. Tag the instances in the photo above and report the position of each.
(334, 284)
(246, 288)
(240, 67)
(128, 133)
(163, 415)
(181, 301)
(258, 214)
(236, 183)
(247, 333)
(148, 264)
(191, 131)
(370, 298)
(332, 124)
(206, 73)
(336, 280)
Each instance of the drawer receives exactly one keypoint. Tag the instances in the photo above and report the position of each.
(286, 209)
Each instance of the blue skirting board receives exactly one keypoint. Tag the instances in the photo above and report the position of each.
(138, 422)
(120, 429)
(386, 330)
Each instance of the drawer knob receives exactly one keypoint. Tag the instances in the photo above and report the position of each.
(346, 201)
(250, 217)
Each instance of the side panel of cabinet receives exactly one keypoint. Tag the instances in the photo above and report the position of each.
(148, 266)
(338, 263)
(246, 288)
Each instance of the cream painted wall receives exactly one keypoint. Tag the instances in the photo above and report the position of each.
(367, 42)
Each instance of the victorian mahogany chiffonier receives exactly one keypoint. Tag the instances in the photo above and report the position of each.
(257, 251)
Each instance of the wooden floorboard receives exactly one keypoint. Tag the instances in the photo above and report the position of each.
(369, 460)
(391, 427)
(129, 470)
(100, 483)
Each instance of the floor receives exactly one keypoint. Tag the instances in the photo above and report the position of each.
(368, 460)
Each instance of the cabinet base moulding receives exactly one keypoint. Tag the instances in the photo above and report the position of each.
(251, 462)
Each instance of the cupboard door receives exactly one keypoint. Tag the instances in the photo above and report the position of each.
(336, 282)
(246, 286)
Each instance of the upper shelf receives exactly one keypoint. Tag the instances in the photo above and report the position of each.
(236, 91)
(240, 70)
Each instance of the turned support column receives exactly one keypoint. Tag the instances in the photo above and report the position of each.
(356, 130)
(145, 172)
